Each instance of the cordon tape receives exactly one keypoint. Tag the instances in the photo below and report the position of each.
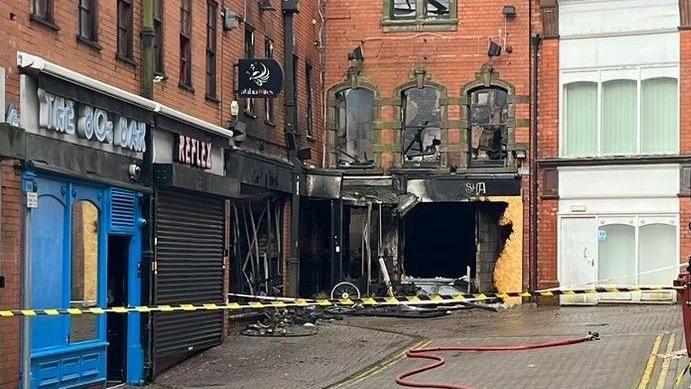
(344, 302)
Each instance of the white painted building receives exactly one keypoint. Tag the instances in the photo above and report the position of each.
(618, 222)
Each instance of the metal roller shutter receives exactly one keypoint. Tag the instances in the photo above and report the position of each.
(189, 251)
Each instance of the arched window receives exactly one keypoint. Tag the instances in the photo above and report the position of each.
(354, 119)
(421, 116)
(488, 130)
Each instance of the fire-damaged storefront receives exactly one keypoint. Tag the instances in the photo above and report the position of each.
(430, 196)
(190, 229)
(407, 234)
(259, 223)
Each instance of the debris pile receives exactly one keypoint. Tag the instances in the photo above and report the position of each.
(290, 322)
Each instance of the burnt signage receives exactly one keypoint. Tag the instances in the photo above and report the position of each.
(193, 152)
(463, 189)
(259, 78)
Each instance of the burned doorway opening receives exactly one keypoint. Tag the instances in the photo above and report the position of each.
(257, 237)
(354, 242)
(316, 255)
(454, 243)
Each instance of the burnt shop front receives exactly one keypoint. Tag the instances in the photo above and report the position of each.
(80, 151)
(191, 192)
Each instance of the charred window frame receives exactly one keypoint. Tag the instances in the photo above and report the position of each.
(43, 11)
(421, 119)
(185, 81)
(488, 130)
(420, 15)
(158, 37)
(269, 103)
(125, 31)
(250, 108)
(309, 127)
(211, 12)
(353, 116)
(88, 22)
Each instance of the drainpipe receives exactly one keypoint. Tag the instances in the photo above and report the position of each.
(290, 8)
(536, 40)
(147, 91)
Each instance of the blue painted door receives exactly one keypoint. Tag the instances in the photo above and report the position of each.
(67, 351)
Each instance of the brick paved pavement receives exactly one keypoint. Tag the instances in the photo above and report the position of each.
(366, 352)
(618, 360)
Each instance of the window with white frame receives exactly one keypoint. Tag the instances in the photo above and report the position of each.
(607, 113)
(637, 250)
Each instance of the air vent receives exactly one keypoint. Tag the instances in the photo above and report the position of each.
(122, 210)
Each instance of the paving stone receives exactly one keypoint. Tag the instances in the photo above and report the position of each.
(364, 352)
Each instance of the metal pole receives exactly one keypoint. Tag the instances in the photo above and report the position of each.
(26, 302)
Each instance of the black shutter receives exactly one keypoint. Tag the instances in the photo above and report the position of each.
(189, 252)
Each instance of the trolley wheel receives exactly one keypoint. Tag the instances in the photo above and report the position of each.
(345, 290)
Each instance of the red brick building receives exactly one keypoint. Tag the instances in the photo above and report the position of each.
(123, 114)
(613, 197)
(428, 119)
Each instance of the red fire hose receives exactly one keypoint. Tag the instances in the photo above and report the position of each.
(423, 354)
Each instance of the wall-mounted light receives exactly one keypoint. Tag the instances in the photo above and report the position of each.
(356, 55)
(231, 20)
(304, 154)
(509, 11)
(520, 155)
(239, 131)
(265, 5)
(159, 78)
(494, 49)
(134, 171)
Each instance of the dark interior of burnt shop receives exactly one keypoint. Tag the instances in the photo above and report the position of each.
(457, 243)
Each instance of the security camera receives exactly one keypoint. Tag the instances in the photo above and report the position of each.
(134, 171)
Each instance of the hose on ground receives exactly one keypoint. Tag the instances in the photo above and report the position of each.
(424, 353)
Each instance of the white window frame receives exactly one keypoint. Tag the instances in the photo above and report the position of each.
(638, 73)
(638, 221)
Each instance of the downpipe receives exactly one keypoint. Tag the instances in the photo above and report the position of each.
(536, 41)
(289, 9)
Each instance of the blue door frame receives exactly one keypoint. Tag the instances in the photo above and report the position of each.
(55, 361)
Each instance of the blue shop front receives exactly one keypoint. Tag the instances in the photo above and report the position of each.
(82, 151)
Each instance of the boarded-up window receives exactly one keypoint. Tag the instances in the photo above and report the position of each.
(84, 285)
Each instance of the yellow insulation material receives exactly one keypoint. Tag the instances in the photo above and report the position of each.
(508, 273)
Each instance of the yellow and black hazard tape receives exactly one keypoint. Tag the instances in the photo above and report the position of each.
(345, 302)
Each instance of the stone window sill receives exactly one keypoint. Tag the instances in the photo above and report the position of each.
(88, 42)
(48, 23)
(126, 59)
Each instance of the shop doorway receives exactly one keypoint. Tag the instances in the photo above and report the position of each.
(455, 244)
(118, 256)
(440, 240)
(318, 271)
(258, 239)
